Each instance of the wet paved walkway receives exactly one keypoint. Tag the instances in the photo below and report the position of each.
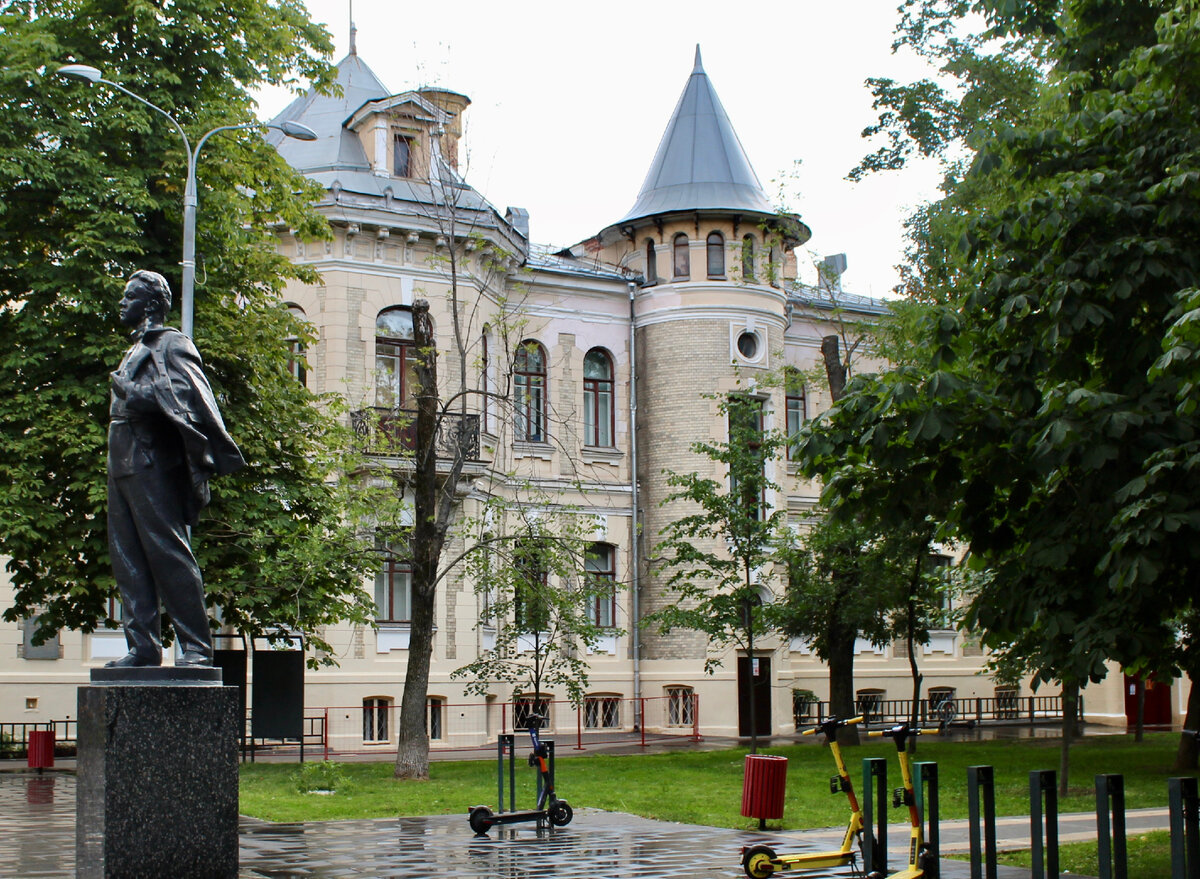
(37, 839)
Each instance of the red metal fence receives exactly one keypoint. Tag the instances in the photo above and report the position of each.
(371, 728)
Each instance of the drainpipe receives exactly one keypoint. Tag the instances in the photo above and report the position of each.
(635, 559)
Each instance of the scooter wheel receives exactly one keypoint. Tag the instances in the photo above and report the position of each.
(757, 861)
(560, 814)
(480, 819)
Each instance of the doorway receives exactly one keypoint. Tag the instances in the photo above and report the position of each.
(754, 682)
(1157, 709)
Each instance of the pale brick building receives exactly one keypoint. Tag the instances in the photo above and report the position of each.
(693, 291)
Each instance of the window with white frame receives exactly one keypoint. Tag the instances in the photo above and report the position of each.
(681, 710)
(715, 250)
(680, 257)
(435, 718)
(797, 414)
(527, 707)
(602, 712)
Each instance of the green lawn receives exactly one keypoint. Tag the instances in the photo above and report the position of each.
(705, 787)
(1148, 856)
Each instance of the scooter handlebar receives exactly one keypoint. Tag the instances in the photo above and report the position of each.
(830, 725)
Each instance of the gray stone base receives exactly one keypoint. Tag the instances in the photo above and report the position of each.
(157, 781)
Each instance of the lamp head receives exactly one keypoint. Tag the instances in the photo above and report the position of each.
(83, 71)
(297, 130)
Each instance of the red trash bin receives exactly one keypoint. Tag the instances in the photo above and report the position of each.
(763, 787)
(40, 750)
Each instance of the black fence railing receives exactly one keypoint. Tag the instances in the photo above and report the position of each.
(14, 737)
(391, 432)
(939, 711)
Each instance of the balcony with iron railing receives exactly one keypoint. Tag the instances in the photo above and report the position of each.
(393, 433)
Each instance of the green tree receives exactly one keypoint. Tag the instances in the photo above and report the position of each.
(720, 588)
(92, 185)
(540, 599)
(1067, 431)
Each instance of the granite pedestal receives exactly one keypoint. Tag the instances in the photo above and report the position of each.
(157, 775)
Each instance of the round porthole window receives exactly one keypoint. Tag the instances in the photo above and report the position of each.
(747, 345)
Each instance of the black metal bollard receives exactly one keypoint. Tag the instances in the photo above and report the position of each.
(1110, 827)
(1043, 823)
(926, 783)
(506, 746)
(980, 781)
(875, 791)
(1185, 828)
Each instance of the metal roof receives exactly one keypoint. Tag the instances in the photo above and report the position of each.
(700, 163)
(336, 148)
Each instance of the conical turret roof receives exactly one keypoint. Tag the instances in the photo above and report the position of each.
(700, 163)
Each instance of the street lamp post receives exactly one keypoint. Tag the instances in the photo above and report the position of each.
(187, 292)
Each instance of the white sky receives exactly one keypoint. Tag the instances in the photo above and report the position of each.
(570, 100)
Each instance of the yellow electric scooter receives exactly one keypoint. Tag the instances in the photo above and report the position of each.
(919, 856)
(760, 861)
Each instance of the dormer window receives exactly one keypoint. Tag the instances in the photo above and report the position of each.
(402, 156)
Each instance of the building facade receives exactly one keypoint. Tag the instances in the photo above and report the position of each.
(586, 375)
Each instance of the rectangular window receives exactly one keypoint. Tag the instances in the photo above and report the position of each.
(434, 723)
(796, 416)
(680, 706)
(602, 581)
(746, 428)
(393, 588)
(402, 156)
(375, 719)
(526, 708)
(602, 712)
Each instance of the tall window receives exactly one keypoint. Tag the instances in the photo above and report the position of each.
(530, 386)
(402, 156)
(680, 706)
(485, 402)
(796, 416)
(776, 276)
(393, 587)
(395, 358)
(530, 605)
(601, 575)
(651, 262)
(296, 352)
(748, 480)
(434, 725)
(681, 259)
(597, 399)
(748, 273)
(715, 248)
(375, 719)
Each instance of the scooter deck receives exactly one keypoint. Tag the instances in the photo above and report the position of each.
(515, 817)
(813, 860)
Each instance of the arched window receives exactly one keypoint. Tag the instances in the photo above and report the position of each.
(651, 262)
(598, 399)
(716, 255)
(681, 706)
(748, 273)
(600, 569)
(529, 374)
(602, 711)
(682, 261)
(776, 270)
(394, 359)
(296, 352)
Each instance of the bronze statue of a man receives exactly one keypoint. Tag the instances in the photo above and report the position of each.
(166, 439)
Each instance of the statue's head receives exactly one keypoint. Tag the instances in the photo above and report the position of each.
(152, 291)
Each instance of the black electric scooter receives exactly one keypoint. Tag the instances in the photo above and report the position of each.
(549, 807)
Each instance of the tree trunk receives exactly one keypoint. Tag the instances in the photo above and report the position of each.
(1185, 757)
(412, 751)
(1070, 729)
(841, 683)
(835, 370)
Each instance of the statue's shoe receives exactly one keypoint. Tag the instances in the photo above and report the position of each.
(193, 659)
(133, 660)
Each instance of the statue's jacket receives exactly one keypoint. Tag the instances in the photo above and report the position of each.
(169, 417)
